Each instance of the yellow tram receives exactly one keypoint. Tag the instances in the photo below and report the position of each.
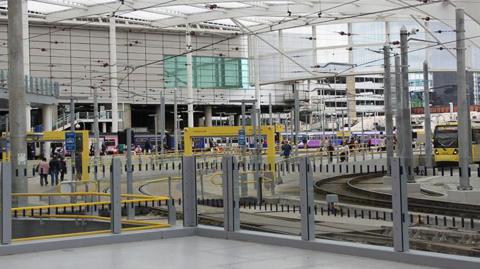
(445, 142)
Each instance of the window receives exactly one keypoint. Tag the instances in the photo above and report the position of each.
(208, 72)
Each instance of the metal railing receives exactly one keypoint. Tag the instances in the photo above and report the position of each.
(34, 85)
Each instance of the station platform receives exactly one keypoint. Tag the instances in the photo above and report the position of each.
(193, 252)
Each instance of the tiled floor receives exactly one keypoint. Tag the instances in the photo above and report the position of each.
(191, 253)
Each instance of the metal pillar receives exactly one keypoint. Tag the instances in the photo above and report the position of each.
(96, 131)
(6, 203)
(407, 157)
(130, 208)
(189, 191)
(162, 125)
(307, 199)
(113, 73)
(17, 96)
(464, 128)
(257, 158)
(388, 107)
(243, 176)
(428, 122)
(270, 109)
(26, 60)
(155, 130)
(399, 207)
(398, 107)
(47, 121)
(175, 120)
(72, 129)
(188, 41)
(256, 63)
(231, 209)
(115, 197)
(296, 125)
(281, 60)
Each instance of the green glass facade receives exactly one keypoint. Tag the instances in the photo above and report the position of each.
(208, 72)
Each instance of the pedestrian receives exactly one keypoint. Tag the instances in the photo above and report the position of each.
(43, 169)
(286, 151)
(330, 150)
(63, 168)
(54, 169)
(148, 146)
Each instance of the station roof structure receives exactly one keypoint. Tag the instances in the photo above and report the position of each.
(257, 16)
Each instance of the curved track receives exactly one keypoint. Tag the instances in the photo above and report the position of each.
(345, 188)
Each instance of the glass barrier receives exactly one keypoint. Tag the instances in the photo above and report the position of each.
(65, 200)
(443, 217)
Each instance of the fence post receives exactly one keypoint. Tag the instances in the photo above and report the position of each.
(230, 194)
(189, 191)
(6, 203)
(400, 207)
(115, 197)
(172, 212)
(130, 207)
(307, 199)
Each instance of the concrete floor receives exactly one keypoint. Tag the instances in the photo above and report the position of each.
(192, 252)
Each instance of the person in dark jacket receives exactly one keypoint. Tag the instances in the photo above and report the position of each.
(63, 168)
(54, 166)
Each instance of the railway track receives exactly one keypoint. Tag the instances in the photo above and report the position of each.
(344, 187)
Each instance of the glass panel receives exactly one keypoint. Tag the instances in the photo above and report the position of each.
(368, 32)
(443, 217)
(208, 72)
(71, 196)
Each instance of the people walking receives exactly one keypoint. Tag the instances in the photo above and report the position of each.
(43, 169)
(54, 170)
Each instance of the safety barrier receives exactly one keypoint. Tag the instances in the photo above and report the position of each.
(345, 211)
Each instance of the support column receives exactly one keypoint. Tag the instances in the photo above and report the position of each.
(188, 41)
(281, 59)
(161, 125)
(407, 157)
(113, 73)
(388, 107)
(428, 121)
(208, 116)
(257, 73)
(464, 143)
(17, 100)
(350, 81)
(47, 120)
(270, 109)
(127, 116)
(175, 120)
(398, 107)
(296, 117)
(104, 127)
(96, 132)
(26, 59)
